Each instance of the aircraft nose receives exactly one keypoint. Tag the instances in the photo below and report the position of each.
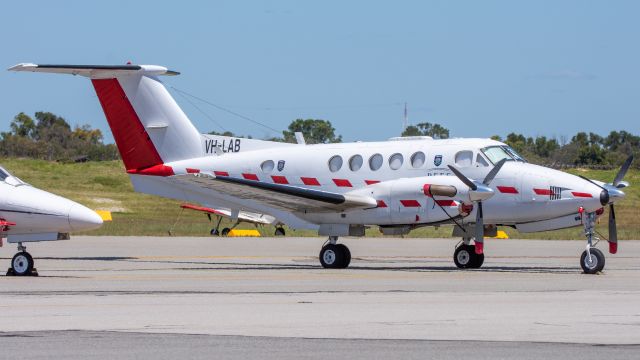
(83, 218)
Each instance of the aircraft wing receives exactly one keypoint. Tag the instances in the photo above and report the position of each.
(242, 215)
(284, 197)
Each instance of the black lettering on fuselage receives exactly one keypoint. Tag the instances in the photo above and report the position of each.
(226, 145)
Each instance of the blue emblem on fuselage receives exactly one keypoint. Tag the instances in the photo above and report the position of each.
(280, 165)
(437, 160)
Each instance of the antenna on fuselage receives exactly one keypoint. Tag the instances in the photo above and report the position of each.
(405, 119)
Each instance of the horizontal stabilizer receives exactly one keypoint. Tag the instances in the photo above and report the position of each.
(95, 71)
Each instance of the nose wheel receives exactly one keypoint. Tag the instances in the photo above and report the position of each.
(465, 257)
(335, 256)
(22, 264)
(592, 259)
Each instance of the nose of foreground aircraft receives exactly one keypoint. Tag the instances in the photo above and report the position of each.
(82, 218)
(610, 195)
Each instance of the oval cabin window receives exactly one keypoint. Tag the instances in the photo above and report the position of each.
(417, 159)
(464, 158)
(395, 161)
(375, 162)
(335, 163)
(267, 166)
(355, 163)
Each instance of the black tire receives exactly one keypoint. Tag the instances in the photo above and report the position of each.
(22, 264)
(331, 256)
(476, 260)
(346, 256)
(465, 257)
(279, 232)
(225, 232)
(215, 232)
(597, 261)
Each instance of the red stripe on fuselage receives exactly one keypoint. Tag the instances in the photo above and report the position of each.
(446, 203)
(410, 203)
(382, 204)
(581, 194)
(279, 179)
(133, 141)
(342, 182)
(507, 189)
(543, 192)
(250, 177)
(371, 182)
(310, 181)
(220, 173)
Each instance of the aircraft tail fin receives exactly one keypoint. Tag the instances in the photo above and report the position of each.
(149, 127)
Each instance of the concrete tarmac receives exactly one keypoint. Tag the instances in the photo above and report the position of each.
(528, 292)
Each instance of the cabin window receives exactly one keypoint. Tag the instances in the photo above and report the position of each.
(417, 159)
(395, 161)
(464, 158)
(355, 163)
(375, 162)
(335, 163)
(267, 166)
(480, 161)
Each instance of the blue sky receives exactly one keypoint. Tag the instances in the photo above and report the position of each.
(477, 67)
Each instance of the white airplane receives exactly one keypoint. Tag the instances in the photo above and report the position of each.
(341, 189)
(240, 217)
(28, 214)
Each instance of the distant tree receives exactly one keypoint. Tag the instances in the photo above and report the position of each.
(23, 125)
(315, 131)
(436, 131)
(225, 133)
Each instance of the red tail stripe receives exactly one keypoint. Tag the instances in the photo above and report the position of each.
(250, 177)
(279, 179)
(310, 181)
(156, 170)
(342, 182)
(507, 189)
(581, 194)
(410, 203)
(133, 141)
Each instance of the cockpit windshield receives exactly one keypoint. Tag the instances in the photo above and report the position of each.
(3, 174)
(6, 177)
(497, 153)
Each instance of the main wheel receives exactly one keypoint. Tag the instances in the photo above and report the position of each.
(465, 257)
(214, 232)
(22, 264)
(225, 231)
(331, 256)
(279, 231)
(346, 256)
(593, 265)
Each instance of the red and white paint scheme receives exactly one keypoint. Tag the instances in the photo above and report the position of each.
(28, 214)
(340, 189)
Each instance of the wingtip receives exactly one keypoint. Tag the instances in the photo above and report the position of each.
(22, 67)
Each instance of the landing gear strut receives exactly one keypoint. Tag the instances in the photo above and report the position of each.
(22, 263)
(592, 259)
(334, 255)
(465, 256)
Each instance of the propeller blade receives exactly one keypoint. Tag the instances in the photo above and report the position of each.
(613, 231)
(623, 171)
(593, 182)
(463, 178)
(487, 180)
(479, 240)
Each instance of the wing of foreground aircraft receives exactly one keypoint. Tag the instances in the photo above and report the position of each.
(284, 197)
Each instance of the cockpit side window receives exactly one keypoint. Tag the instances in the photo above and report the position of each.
(3, 174)
(497, 153)
(480, 161)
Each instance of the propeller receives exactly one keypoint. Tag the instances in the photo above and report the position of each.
(477, 193)
(609, 192)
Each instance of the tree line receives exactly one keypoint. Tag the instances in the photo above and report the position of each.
(50, 137)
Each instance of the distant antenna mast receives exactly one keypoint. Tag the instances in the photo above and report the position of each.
(405, 120)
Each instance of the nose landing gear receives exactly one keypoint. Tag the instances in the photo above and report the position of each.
(22, 263)
(592, 259)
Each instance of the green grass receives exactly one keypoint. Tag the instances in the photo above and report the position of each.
(106, 186)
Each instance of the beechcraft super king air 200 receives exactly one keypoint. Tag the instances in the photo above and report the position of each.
(340, 189)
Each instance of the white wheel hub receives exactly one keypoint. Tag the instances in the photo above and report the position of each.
(463, 257)
(20, 264)
(591, 262)
(329, 257)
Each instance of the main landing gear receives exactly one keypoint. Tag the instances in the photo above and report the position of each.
(334, 255)
(22, 263)
(592, 259)
(465, 256)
